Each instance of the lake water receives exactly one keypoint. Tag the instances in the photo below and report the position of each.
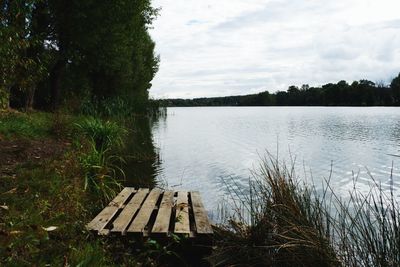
(203, 148)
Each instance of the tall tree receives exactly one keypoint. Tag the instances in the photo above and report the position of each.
(395, 86)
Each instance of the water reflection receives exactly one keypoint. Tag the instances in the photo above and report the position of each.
(204, 148)
(142, 157)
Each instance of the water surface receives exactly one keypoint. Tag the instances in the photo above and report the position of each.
(203, 148)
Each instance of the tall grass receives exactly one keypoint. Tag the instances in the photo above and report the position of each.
(100, 162)
(104, 134)
(284, 222)
(102, 170)
(367, 228)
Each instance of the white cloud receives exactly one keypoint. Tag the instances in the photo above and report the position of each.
(227, 47)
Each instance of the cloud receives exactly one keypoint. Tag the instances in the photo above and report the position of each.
(227, 47)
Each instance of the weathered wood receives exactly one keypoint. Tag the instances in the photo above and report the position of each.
(182, 225)
(142, 218)
(163, 218)
(145, 213)
(101, 220)
(200, 215)
(125, 217)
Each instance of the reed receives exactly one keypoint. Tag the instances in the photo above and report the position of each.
(284, 222)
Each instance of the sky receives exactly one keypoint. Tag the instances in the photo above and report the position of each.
(235, 47)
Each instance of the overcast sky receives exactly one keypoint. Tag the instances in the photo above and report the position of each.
(233, 47)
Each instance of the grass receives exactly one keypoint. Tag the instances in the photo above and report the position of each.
(101, 170)
(25, 125)
(45, 214)
(278, 224)
(46, 201)
(284, 222)
(101, 164)
(104, 134)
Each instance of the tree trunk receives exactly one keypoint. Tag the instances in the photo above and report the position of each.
(29, 97)
(55, 83)
(4, 99)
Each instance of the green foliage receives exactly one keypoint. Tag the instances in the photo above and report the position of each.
(100, 164)
(395, 87)
(32, 125)
(46, 203)
(90, 254)
(101, 170)
(23, 60)
(124, 65)
(115, 107)
(104, 134)
(57, 47)
(361, 93)
(45, 215)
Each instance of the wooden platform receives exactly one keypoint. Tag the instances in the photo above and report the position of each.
(153, 212)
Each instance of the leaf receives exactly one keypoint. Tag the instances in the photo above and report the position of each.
(12, 191)
(15, 232)
(50, 228)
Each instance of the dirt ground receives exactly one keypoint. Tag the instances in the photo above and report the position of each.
(18, 151)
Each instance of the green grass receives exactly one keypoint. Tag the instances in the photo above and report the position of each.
(38, 197)
(103, 133)
(45, 204)
(31, 125)
(101, 171)
(101, 164)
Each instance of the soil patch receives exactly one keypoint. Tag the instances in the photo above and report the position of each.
(18, 151)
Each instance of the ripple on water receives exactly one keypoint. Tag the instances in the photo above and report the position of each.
(213, 149)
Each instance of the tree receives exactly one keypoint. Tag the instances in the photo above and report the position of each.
(106, 43)
(395, 86)
(22, 61)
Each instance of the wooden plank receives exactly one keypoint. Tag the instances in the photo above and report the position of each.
(200, 216)
(182, 225)
(101, 220)
(122, 221)
(161, 224)
(142, 218)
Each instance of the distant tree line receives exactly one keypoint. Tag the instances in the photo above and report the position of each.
(56, 50)
(358, 93)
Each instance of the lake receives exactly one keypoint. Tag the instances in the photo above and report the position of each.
(204, 148)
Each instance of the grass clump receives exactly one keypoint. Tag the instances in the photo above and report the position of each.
(104, 134)
(278, 224)
(101, 171)
(367, 228)
(283, 222)
(101, 162)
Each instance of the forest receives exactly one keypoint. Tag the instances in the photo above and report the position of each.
(74, 53)
(358, 93)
